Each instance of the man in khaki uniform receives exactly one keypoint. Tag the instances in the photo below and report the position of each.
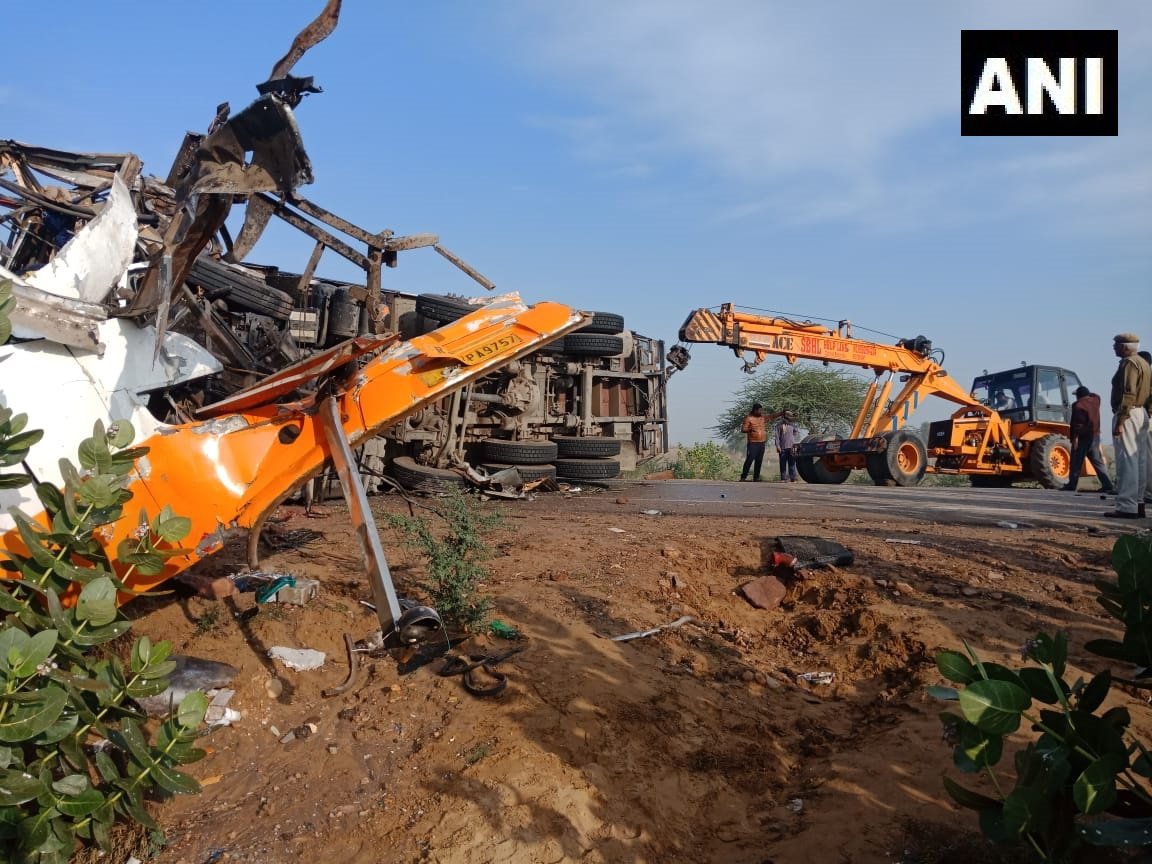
(1130, 395)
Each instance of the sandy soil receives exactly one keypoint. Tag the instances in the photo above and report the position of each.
(694, 745)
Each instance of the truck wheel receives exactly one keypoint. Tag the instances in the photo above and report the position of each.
(813, 470)
(412, 475)
(902, 464)
(587, 469)
(527, 472)
(604, 322)
(1050, 460)
(441, 308)
(239, 288)
(573, 445)
(501, 452)
(593, 345)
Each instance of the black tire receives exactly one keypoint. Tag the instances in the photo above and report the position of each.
(438, 307)
(813, 470)
(502, 452)
(527, 472)
(593, 345)
(421, 478)
(587, 469)
(574, 446)
(902, 464)
(556, 346)
(240, 289)
(1050, 461)
(604, 322)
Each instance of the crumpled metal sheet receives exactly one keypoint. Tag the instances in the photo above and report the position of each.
(94, 260)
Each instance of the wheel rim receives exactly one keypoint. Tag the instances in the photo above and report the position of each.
(1060, 462)
(908, 458)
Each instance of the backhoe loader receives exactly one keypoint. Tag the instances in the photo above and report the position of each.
(1010, 426)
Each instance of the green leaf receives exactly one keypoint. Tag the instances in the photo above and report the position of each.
(171, 780)
(1092, 696)
(1109, 648)
(1095, 789)
(968, 798)
(98, 491)
(1118, 832)
(101, 635)
(1027, 809)
(975, 750)
(192, 709)
(956, 667)
(994, 706)
(17, 787)
(72, 784)
(948, 694)
(28, 719)
(88, 801)
(14, 480)
(120, 434)
(69, 572)
(175, 528)
(1039, 685)
(97, 603)
(38, 649)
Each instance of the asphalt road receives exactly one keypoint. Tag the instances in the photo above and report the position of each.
(960, 505)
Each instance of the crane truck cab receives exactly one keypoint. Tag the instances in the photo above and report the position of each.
(1029, 394)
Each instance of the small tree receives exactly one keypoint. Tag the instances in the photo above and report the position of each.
(456, 559)
(823, 400)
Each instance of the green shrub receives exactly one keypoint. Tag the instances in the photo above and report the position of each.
(455, 561)
(74, 759)
(708, 461)
(1084, 779)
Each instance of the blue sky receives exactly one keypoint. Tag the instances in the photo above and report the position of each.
(653, 156)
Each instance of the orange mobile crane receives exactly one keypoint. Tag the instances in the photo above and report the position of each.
(1010, 426)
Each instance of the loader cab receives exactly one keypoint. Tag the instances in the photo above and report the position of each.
(1029, 394)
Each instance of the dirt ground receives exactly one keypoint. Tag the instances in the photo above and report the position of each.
(693, 745)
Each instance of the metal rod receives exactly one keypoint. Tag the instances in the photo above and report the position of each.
(466, 267)
(383, 591)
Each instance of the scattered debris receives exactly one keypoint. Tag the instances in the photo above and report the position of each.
(502, 631)
(1006, 524)
(902, 541)
(651, 513)
(796, 805)
(623, 499)
(640, 634)
(300, 659)
(817, 677)
(191, 673)
(617, 530)
(766, 592)
(218, 713)
(809, 552)
(353, 668)
(469, 666)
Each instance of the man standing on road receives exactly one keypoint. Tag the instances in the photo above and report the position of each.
(786, 434)
(1084, 430)
(1130, 394)
(1147, 356)
(755, 426)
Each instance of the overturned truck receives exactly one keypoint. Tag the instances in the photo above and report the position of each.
(89, 238)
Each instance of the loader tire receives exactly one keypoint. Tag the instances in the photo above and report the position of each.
(604, 322)
(587, 469)
(421, 478)
(574, 446)
(442, 309)
(813, 470)
(501, 452)
(528, 473)
(1050, 461)
(238, 288)
(593, 345)
(902, 464)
